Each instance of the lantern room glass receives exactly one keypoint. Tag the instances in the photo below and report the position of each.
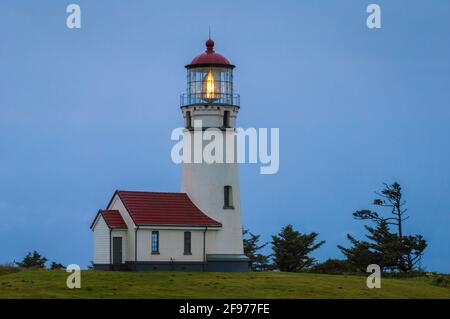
(210, 85)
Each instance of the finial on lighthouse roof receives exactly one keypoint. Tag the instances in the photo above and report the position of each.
(210, 58)
(210, 45)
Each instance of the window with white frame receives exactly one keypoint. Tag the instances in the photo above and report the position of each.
(155, 242)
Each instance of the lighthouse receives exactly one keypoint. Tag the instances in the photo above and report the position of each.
(210, 100)
(199, 228)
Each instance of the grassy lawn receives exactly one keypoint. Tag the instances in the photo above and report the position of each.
(103, 284)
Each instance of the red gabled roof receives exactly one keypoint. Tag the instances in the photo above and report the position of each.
(164, 209)
(112, 218)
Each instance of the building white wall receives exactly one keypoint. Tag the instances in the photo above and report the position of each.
(171, 245)
(204, 183)
(116, 204)
(101, 242)
(211, 116)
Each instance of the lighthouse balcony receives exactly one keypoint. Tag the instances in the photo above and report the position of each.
(188, 99)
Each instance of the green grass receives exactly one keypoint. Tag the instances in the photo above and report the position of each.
(8, 269)
(105, 284)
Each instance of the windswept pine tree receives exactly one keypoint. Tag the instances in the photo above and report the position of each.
(257, 261)
(291, 249)
(389, 249)
(381, 248)
(32, 260)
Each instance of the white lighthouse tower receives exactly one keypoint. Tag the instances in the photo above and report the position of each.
(214, 187)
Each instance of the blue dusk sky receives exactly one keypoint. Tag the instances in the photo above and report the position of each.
(85, 112)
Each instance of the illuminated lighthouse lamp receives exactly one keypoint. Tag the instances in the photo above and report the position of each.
(210, 80)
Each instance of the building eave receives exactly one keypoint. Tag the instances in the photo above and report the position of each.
(199, 227)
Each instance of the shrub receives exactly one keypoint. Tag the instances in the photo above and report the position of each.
(333, 266)
(33, 260)
(57, 266)
(441, 280)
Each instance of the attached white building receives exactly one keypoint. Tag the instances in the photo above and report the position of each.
(199, 228)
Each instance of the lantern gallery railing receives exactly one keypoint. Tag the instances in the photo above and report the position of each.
(209, 99)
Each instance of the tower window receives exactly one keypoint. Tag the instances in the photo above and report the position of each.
(228, 197)
(226, 119)
(187, 243)
(155, 242)
(188, 123)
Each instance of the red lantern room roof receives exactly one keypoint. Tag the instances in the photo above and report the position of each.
(210, 58)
